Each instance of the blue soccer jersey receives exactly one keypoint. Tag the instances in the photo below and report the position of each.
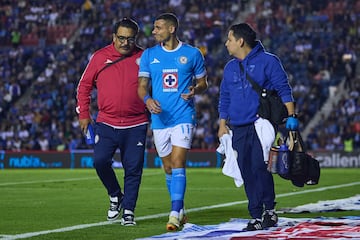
(171, 73)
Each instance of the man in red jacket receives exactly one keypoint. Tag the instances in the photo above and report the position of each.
(121, 121)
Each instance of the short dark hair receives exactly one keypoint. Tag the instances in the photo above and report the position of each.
(127, 23)
(245, 31)
(169, 17)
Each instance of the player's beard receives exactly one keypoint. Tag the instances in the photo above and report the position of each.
(164, 41)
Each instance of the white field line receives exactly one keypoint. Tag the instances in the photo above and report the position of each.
(82, 226)
(46, 181)
(61, 180)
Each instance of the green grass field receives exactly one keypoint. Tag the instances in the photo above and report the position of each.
(72, 204)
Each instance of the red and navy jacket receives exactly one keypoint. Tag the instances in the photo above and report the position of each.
(117, 99)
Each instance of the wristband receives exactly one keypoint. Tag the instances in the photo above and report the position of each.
(294, 115)
(146, 98)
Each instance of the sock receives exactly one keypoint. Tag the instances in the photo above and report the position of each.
(114, 199)
(126, 211)
(178, 186)
(168, 182)
(174, 214)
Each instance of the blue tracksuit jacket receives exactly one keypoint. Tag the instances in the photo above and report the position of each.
(238, 100)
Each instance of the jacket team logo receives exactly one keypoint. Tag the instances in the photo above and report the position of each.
(251, 68)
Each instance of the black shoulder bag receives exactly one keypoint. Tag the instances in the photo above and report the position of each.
(271, 106)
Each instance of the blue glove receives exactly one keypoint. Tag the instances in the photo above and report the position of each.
(292, 123)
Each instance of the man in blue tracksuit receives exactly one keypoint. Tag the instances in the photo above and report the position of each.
(238, 107)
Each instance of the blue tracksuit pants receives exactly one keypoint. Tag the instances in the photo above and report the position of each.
(258, 182)
(131, 142)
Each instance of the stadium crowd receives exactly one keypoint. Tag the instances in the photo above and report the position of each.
(38, 82)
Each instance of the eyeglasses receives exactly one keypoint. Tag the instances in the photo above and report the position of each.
(122, 39)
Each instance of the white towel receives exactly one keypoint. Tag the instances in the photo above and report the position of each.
(266, 134)
(231, 167)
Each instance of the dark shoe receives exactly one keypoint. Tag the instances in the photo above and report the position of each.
(115, 208)
(253, 225)
(269, 218)
(128, 218)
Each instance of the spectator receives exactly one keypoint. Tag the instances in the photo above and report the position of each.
(15, 38)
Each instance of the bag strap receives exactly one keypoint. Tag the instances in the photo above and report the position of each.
(109, 64)
(255, 85)
(295, 136)
(301, 141)
(262, 92)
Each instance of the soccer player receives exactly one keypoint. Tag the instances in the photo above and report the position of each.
(121, 121)
(238, 107)
(167, 71)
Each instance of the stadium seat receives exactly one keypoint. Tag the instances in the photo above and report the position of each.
(30, 39)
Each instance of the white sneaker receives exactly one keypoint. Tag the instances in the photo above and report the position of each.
(115, 208)
(128, 218)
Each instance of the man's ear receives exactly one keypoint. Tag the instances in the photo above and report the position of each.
(241, 42)
(172, 29)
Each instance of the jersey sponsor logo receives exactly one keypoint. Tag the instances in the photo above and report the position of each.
(170, 80)
(155, 61)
